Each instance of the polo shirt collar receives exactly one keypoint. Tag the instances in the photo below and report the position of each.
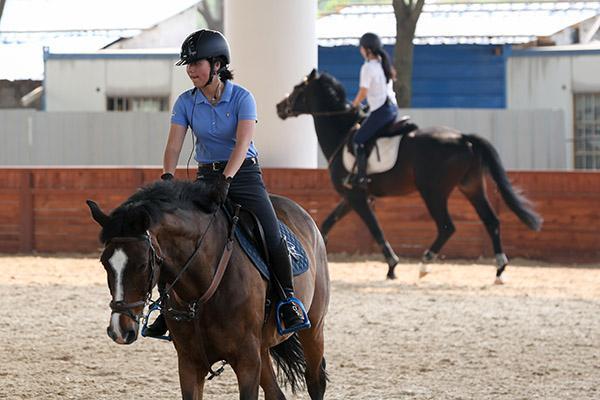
(225, 96)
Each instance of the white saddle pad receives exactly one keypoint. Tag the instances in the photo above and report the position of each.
(380, 160)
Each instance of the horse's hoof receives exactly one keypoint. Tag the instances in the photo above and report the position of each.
(391, 275)
(423, 270)
(499, 281)
(428, 256)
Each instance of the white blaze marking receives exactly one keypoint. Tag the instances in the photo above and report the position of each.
(117, 261)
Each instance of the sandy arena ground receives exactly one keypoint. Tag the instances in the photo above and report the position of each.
(451, 335)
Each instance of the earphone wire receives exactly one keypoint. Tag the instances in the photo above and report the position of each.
(187, 168)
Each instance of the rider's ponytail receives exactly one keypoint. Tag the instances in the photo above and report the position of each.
(388, 69)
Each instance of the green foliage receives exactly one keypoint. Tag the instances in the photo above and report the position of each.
(333, 6)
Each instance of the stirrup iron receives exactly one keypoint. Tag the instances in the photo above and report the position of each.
(284, 331)
(154, 306)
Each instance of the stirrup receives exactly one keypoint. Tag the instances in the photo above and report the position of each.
(154, 306)
(284, 331)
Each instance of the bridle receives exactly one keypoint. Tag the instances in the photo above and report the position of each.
(194, 307)
(154, 261)
(292, 100)
(348, 108)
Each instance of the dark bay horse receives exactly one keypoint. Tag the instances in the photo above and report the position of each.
(432, 161)
(168, 233)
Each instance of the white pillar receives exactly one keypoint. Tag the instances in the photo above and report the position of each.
(273, 46)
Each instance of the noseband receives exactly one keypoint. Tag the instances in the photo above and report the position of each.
(121, 307)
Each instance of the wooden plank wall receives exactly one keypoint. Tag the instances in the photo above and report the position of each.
(43, 210)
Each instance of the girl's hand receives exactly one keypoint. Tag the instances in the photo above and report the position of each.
(219, 190)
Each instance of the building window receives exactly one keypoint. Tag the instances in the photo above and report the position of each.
(128, 103)
(587, 131)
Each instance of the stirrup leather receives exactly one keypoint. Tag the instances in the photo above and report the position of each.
(284, 331)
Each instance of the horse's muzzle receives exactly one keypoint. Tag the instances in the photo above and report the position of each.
(283, 108)
(122, 329)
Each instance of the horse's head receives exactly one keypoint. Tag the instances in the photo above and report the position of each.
(131, 265)
(317, 94)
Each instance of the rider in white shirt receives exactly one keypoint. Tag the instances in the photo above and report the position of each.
(376, 77)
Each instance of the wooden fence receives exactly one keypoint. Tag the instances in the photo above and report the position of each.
(43, 210)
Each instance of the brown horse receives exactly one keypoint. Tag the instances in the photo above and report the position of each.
(168, 233)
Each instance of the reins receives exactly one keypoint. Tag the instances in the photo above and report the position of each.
(348, 108)
(193, 307)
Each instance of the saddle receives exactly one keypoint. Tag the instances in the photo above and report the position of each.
(251, 237)
(399, 127)
(386, 144)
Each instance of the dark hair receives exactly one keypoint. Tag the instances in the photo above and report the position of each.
(372, 42)
(224, 73)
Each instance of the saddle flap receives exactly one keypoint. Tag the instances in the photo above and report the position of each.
(250, 236)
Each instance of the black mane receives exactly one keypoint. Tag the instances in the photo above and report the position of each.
(335, 87)
(147, 206)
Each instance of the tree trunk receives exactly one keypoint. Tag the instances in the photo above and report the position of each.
(407, 15)
(212, 14)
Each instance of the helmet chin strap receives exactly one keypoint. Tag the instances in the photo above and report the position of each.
(212, 72)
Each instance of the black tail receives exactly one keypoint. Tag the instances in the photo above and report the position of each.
(289, 358)
(520, 205)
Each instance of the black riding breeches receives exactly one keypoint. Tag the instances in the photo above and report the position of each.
(248, 189)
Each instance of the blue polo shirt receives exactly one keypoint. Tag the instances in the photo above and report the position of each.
(215, 126)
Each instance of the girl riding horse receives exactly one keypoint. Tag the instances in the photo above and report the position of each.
(222, 117)
(376, 76)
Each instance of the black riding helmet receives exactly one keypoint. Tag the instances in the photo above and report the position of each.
(370, 41)
(204, 44)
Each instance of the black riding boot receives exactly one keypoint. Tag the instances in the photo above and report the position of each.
(281, 265)
(360, 179)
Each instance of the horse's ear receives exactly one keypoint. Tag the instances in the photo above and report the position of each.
(97, 213)
(314, 74)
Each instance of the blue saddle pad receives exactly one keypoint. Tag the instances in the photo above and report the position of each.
(297, 253)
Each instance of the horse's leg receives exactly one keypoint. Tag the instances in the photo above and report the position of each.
(475, 193)
(316, 376)
(247, 368)
(268, 379)
(437, 204)
(338, 213)
(188, 379)
(359, 201)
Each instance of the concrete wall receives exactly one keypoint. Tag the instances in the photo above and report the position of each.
(273, 45)
(525, 139)
(549, 79)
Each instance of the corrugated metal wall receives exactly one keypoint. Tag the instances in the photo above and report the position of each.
(84, 138)
(525, 139)
(444, 76)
